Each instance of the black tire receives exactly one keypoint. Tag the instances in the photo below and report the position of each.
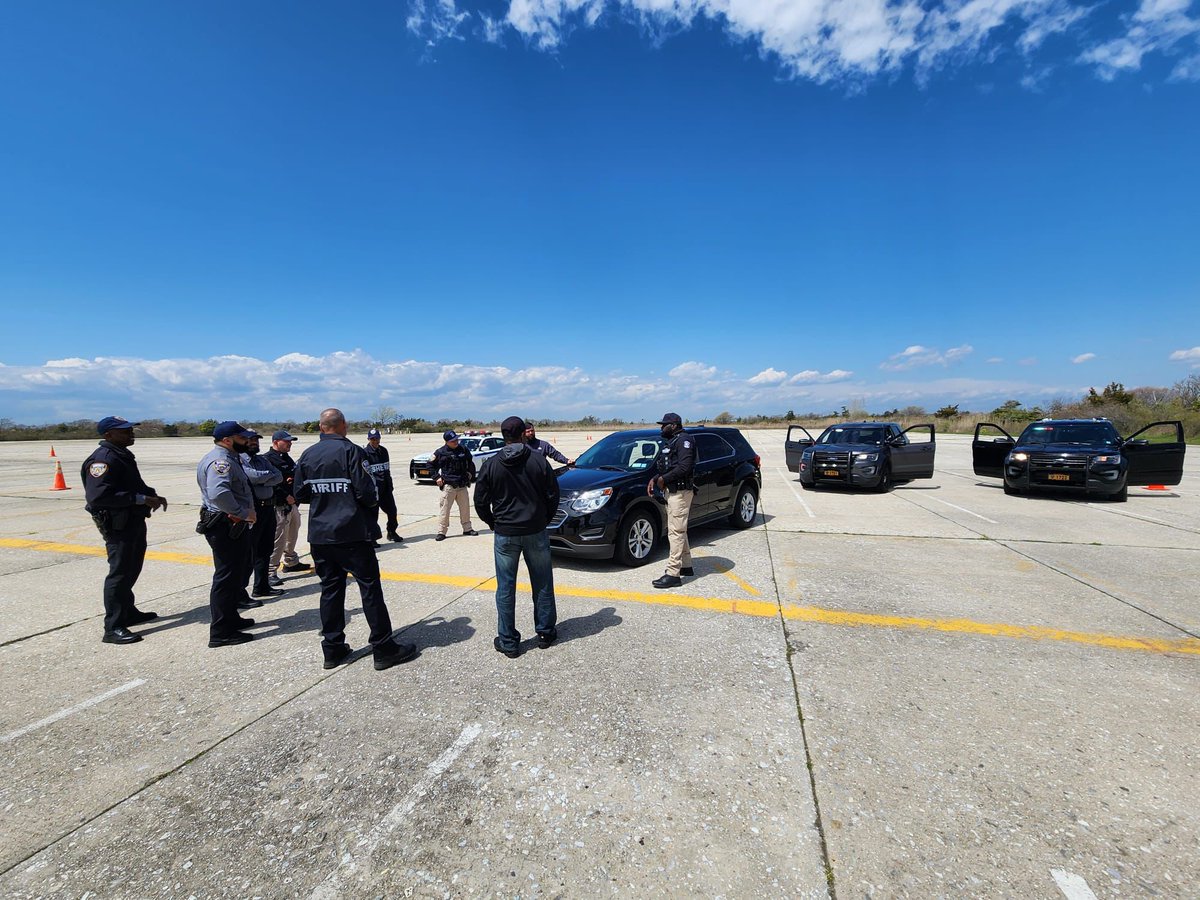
(637, 537)
(885, 481)
(745, 507)
(808, 486)
(1120, 496)
(1011, 491)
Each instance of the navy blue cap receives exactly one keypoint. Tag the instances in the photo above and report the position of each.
(671, 419)
(229, 429)
(113, 423)
(282, 435)
(372, 434)
(449, 435)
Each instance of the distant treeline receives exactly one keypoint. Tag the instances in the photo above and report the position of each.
(1128, 409)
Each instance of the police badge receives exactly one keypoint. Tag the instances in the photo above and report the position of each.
(221, 467)
(97, 469)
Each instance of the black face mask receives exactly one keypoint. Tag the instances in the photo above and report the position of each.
(668, 432)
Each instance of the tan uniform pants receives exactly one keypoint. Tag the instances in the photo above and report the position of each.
(679, 507)
(287, 529)
(450, 496)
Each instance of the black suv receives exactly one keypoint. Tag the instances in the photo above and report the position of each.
(604, 512)
(1083, 455)
(873, 455)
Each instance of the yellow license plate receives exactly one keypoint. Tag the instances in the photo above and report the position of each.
(422, 471)
(1058, 476)
(831, 473)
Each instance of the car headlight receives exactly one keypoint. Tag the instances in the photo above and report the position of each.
(590, 501)
(866, 457)
(1110, 458)
(1019, 457)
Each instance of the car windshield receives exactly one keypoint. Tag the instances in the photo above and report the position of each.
(469, 443)
(841, 434)
(1070, 433)
(620, 451)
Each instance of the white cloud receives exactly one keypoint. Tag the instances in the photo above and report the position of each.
(812, 376)
(995, 359)
(1192, 356)
(916, 356)
(768, 376)
(693, 371)
(848, 40)
(1158, 25)
(1082, 358)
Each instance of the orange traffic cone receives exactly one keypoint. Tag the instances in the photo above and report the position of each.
(52, 453)
(60, 483)
(1156, 487)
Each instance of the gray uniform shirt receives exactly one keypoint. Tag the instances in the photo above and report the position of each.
(262, 475)
(223, 483)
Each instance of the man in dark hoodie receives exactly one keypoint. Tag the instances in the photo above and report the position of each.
(517, 496)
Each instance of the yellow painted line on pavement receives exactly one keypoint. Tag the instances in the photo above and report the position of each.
(756, 608)
(726, 570)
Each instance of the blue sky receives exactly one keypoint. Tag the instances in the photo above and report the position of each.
(567, 208)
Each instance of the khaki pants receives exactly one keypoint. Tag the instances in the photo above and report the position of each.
(679, 507)
(287, 529)
(450, 496)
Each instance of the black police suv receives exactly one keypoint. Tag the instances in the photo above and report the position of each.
(1083, 455)
(604, 512)
(874, 455)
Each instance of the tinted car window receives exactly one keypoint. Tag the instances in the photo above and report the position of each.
(840, 435)
(1070, 433)
(710, 447)
(620, 451)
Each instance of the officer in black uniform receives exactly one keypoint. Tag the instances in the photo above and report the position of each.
(120, 503)
(676, 465)
(381, 471)
(333, 477)
(453, 469)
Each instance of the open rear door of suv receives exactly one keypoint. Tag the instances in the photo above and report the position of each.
(1157, 459)
(988, 453)
(913, 458)
(794, 445)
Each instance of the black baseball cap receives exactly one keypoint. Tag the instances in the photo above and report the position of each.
(113, 423)
(671, 419)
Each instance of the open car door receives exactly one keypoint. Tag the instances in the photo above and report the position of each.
(989, 452)
(913, 458)
(1157, 459)
(794, 445)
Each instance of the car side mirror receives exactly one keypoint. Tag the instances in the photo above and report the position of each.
(1002, 440)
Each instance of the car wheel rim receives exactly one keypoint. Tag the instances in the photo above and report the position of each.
(641, 539)
(747, 507)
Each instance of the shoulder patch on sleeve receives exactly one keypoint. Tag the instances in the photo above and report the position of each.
(687, 444)
(97, 469)
(221, 467)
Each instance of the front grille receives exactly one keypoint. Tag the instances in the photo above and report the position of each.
(826, 461)
(1051, 468)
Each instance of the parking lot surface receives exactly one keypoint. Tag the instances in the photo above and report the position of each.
(940, 691)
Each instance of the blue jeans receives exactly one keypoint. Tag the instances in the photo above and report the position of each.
(508, 550)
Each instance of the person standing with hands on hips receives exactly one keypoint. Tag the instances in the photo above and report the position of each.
(120, 503)
(226, 516)
(453, 471)
(676, 465)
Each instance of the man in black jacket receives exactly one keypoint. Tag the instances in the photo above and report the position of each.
(453, 469)
(381, 471)
(517, 495)
(287, 512)
(676, 467)
(120, 502)
(333, 477)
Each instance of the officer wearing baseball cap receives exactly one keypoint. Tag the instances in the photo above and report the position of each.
(226, 516)
(381, 470)
(120, 502)
(453, 470)
(676, 465)
(287, 511)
